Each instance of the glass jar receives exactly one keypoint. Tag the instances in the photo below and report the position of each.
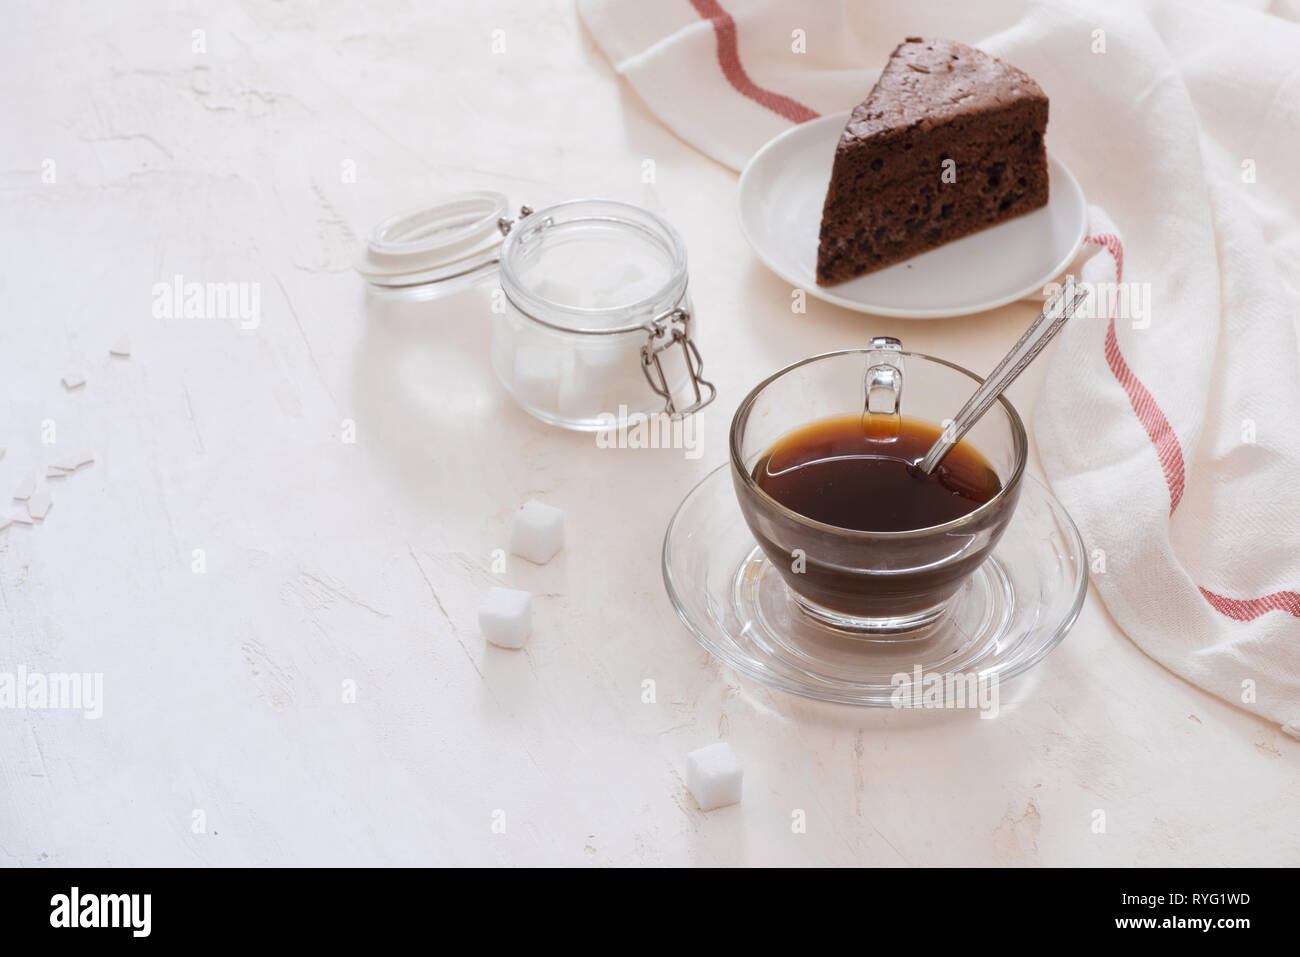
(592, 325)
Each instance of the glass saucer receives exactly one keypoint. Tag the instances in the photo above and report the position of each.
(1004, 619)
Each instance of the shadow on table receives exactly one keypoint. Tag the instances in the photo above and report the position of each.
(425, 387)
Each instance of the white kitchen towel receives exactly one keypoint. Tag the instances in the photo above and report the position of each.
(1171, 430)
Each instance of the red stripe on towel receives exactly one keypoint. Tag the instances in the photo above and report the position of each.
(1251, 608)
(1170, 454)
(1149, 413)
(729, 59)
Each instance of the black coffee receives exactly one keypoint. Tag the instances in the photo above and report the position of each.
(858, 472)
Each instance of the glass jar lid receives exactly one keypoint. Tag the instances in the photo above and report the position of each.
(443, 247)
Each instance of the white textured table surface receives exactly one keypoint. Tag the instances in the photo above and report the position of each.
(327, 562)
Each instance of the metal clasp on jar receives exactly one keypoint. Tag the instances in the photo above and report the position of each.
(506, 225)
(668, 329)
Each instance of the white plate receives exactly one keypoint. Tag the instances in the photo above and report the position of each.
(781, 194)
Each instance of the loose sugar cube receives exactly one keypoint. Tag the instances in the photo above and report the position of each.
(506, 617)
(38, 505)
(26, 487)
(714, 775)
(537, 532)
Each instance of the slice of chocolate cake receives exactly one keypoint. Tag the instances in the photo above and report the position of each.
(948, 142)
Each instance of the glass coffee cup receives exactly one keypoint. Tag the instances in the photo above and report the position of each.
(881, 584)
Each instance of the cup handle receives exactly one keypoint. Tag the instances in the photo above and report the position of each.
(883, 384)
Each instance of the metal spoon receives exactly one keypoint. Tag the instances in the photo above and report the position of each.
(1056, 312)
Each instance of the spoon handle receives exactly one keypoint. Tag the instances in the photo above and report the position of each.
(1056, 312)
